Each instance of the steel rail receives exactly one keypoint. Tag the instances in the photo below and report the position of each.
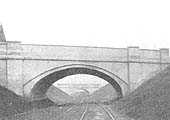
(68, 110)
(107, 112)
(84, 113)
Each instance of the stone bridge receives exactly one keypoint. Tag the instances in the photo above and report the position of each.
(29, 69)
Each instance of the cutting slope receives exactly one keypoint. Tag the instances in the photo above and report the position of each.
(11, 104)
(58, 96)
(105, 93)
(151, 101)
(79, 96)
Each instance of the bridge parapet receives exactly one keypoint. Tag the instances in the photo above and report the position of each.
(133, 52)
(14, 49)
(78, 53)
(164, 55)
(10, 49)
(75, 53)
(146, 55)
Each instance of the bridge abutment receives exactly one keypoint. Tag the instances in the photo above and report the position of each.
(145, 63)
(133, 68)
(11, 66)
(164, 58)
(3, 64)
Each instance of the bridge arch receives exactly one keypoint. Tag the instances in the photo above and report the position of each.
(37, 87)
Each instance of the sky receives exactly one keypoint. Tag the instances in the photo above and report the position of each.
(102, 23)
(80, 79)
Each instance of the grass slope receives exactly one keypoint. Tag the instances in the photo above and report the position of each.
(79, 96)
(11, 104)
(151, 101)
(105, 93)
(58, 96)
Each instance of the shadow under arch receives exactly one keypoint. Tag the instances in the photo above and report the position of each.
(37, 87)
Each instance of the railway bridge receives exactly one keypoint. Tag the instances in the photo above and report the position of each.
(30, 69)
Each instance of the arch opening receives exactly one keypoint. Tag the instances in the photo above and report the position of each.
(80, 82)
(42, 83)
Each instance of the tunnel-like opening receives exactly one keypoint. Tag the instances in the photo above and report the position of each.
(40, 88)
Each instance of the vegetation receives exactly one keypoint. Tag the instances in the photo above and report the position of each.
(103, 94)
(12, 104)
(151, 101)
(58, 96)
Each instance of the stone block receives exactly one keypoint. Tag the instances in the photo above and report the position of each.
(133, 52)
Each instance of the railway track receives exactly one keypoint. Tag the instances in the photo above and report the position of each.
(83, 116)
(107, 112)
(112, 115)
(84, 113)
(68, 110)
(101, 106)
(71, 108)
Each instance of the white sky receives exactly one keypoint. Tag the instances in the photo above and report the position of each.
(80, 79)
(107, 23)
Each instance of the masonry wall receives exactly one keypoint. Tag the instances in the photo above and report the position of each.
(20, 62)
(3, 64)
(42, 52)
(11, 66)
(143, 64)
(132, 64)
